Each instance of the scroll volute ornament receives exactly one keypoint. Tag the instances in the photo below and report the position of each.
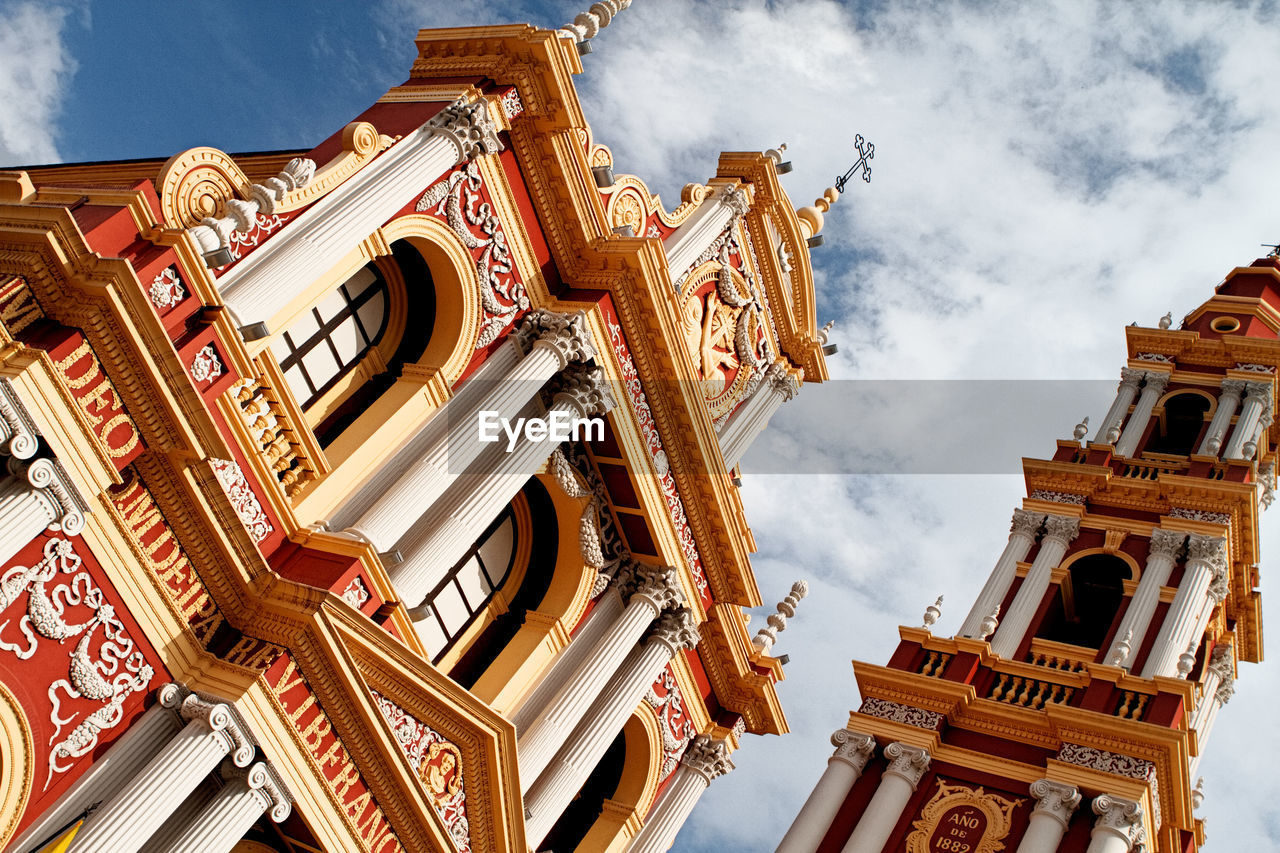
(197, 184)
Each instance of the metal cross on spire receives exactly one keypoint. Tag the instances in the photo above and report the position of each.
(1275, 249)
(866, 151)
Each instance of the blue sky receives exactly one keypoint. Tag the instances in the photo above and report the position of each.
(1044, 175)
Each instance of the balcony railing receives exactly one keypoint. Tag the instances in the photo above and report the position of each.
(273, 436)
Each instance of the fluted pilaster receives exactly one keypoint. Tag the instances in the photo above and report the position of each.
(1060, 531)
(853, 750)
(1022, 535)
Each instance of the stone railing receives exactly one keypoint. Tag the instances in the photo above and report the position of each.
(1059, 656)
(934, 664)
(1033, 693)
(1149, 469)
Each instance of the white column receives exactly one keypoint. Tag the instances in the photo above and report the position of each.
(704, 761)
(1250, 447)
(701, 229)
(127, 755)
(607, 610)
(1228, 400)
(36, 495)
(18, 433)
(124, 822)
(1129, 380)
(1257, 400)
(1055, 803)
(1118, 827)
(1060, 530)
(1162, 553)
(907, 765)
(550, 341)
(775, 388)
(456, 520)
(563, 778)
(258, 287)
(853, 749)
(222, 823)
(649, 590)
(1219, 687)
(1206, 558)
(1022, 535)
(1151, 390)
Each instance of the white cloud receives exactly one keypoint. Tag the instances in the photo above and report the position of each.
(35, 69)
(1045, 174)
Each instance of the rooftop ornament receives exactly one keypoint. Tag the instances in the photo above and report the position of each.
(587, 24)
(811, 220)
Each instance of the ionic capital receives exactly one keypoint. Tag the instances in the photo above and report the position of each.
(17, 431)
(907, 762)
(220, 717)
(1166, 543)
(568, 335)
(659, 586)
(1118, 816)
(262, 780)
(1055, 799)
(1064, 528)
(51, 485)
(675, 629)
(585, 389)
(469, 127)
(1026, 523)
(708, 756)
(853, 748)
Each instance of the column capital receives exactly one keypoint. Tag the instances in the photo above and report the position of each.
(17, 431)
(658, 585)
(583, 388)
(708, 756)
(781, 380)
(1259, 390)
(222, 718)
(1233, 387)
(853, 748)
(1156, 380)
(1064, 528)
(907, 762)
(1221, 665)
(1026, 523)
(675, 629)
(736, 199)
(1118, 816)
(469, 127)
(1055, 799)
(1130, 378)
(49, 481)
(567, 334)
(1166, 543)
(1207, 549)
(261, 778)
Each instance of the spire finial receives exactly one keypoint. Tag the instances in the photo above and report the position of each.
(587, 24)
(765, 637)
(988, 625)
(1082, 429)
(932, 612)
(1167, 320)
(1121, 652)
(1187, 660)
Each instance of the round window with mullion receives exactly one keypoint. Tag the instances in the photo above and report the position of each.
(466, 592)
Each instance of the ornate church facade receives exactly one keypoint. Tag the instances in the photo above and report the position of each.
(265, 582)
(1071, 709)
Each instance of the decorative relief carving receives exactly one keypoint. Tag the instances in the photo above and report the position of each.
(708, 756)
(1256, 368)
(356, 594)
(1201, 515)
(598, 537)
(1112, 762)
(1154, 356)
(1057, 497)
(1222, 665)
(469, 127)
(960, 818)
(166, 289)
(511, 104)
(206, 366)
(502, 292)
(918, 717)
(673, 720)
(649, 430)
(104, 668)
(438, 763)
(246, 504)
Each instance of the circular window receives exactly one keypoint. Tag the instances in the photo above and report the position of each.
(1224, 324)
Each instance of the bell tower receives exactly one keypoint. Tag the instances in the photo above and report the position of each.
(1071, 709)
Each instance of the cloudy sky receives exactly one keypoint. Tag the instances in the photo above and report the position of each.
(1044, 175)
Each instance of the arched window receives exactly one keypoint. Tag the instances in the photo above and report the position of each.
(464, 594)
(1180, 425)
(1087, 601)
(325, 344)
